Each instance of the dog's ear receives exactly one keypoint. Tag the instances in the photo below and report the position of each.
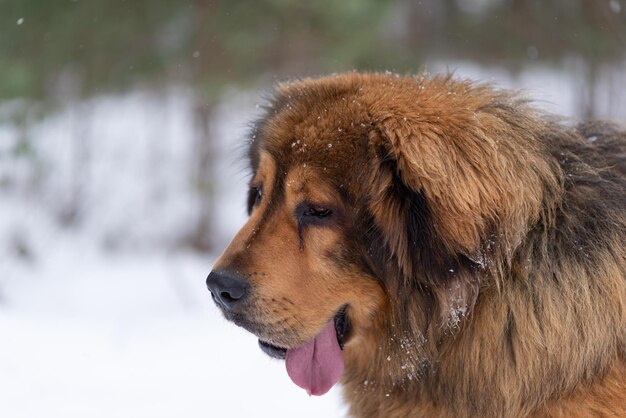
(403, 215)
(478, 168)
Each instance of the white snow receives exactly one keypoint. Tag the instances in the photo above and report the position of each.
(93, 335)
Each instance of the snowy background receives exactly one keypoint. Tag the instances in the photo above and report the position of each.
(104, 310)
(97, 328)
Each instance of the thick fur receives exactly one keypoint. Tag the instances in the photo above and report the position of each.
(478, 243)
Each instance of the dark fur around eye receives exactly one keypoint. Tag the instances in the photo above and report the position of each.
(255, 194)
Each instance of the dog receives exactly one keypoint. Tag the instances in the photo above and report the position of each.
(438, 246)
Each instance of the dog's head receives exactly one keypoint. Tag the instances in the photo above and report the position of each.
(376, 206)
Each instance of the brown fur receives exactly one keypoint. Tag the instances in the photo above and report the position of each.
(478, 244)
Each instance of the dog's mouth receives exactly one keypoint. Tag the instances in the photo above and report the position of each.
(342, 330)
(273, 350)
(317, 364)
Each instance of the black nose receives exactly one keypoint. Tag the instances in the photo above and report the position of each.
(227, 289)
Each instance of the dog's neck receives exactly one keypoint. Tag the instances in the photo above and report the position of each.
(515, 341)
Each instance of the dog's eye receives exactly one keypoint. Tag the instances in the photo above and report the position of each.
(254, 197)
(312, 214)
(317, 212)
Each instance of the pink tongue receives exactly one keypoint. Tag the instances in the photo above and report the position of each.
(318, 364)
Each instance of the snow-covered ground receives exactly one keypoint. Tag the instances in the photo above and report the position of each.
(93, 335)
(93, 327)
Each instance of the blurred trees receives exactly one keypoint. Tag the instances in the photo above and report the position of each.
(58, 51)
(103, 45)
(501, 32)
(97, 45)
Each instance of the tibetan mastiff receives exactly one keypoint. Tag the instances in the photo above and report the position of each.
(438, 246)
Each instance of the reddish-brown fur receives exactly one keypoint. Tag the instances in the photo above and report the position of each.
(478, 244)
